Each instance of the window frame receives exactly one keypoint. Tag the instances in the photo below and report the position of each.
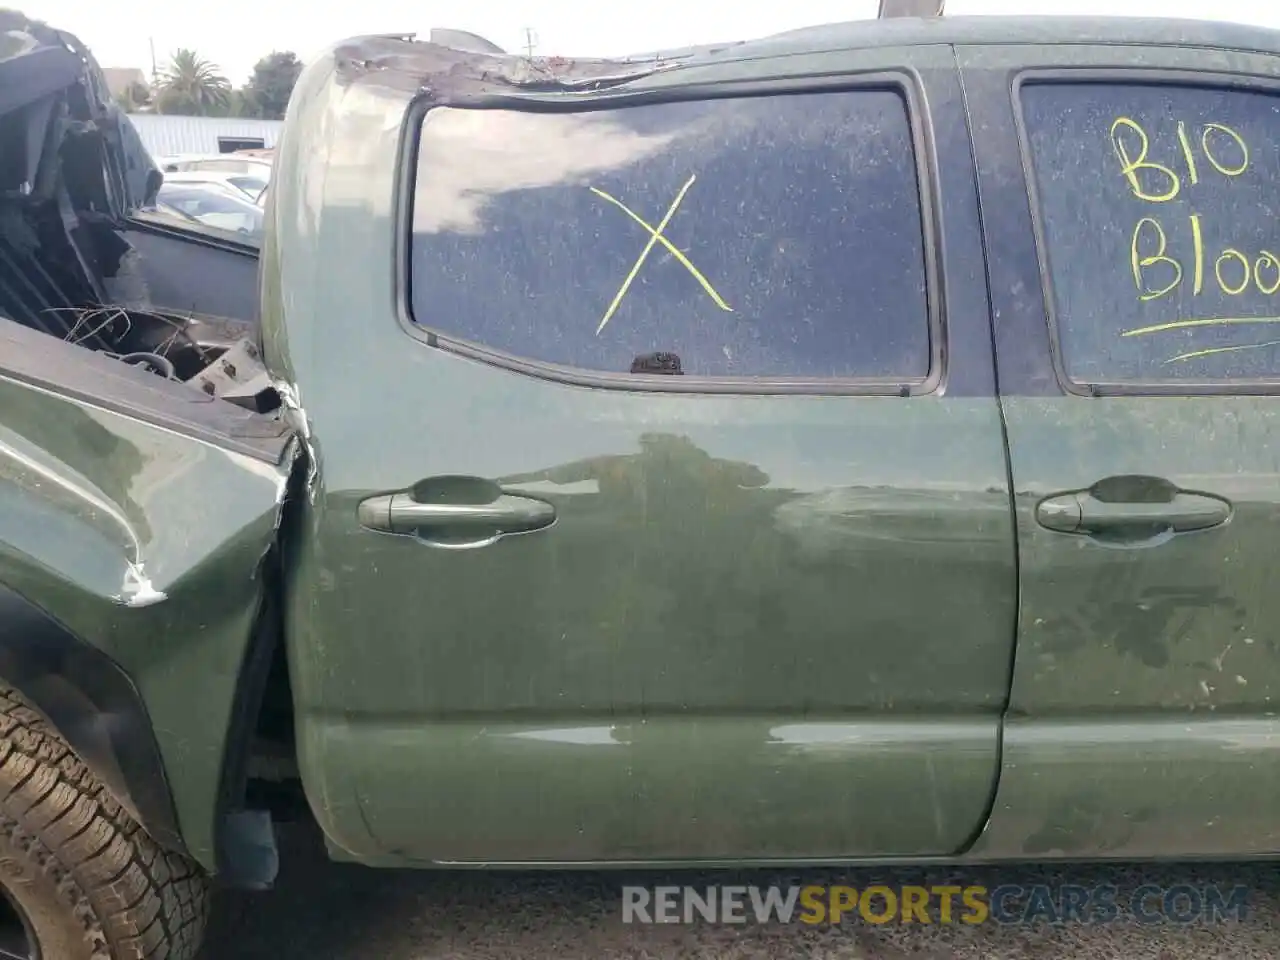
(1131, 76)
(904, 81)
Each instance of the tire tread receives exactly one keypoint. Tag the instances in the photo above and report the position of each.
(134, 900)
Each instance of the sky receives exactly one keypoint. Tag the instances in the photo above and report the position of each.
(234, 34)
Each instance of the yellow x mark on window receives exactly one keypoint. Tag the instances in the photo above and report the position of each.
(656, 236)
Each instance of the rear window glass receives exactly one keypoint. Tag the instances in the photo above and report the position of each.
(767, 236)
(249, 184)
(1159, 209)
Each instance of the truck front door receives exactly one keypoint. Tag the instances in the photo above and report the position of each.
(671, 520)
(1130, 202)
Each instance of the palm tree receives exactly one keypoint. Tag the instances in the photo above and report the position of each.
(192, 85)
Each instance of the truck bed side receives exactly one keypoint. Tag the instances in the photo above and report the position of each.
(142, 513)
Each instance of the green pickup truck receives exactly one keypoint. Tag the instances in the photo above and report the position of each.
(860, 444)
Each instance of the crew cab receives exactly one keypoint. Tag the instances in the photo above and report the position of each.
(855, 445)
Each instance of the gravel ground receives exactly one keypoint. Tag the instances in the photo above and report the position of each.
(341, 912)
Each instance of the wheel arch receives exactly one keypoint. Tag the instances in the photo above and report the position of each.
(95, 706)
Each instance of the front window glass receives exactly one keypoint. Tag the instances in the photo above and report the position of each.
(1160, 207)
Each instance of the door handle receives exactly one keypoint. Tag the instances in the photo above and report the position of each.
(1083, 512)
(455, 523)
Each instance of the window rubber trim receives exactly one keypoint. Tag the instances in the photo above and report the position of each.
(906, 82)
(1131, 76)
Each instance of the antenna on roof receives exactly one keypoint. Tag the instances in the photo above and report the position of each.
(911, 8)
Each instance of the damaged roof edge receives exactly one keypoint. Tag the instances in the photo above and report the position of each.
(462, 71)
(468, 42)
(463, 40)
(38, 65)
(457, 72)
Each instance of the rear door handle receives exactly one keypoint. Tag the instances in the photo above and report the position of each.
(1082, 512)
(467, 521)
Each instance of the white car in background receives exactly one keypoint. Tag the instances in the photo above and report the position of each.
(248, 175)
(248, 185)
(217, 163)
(213, 205)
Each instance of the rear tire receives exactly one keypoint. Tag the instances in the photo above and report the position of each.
(86, 880)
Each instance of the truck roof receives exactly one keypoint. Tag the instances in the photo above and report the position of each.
(401, 60)
(1038, 29)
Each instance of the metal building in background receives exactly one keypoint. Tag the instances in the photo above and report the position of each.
(166, 136)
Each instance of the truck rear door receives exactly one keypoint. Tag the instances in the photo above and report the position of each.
(671, 521)
(1130, 197)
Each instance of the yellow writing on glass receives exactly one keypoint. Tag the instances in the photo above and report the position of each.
(1267, 259)
(1228, 256)
(1155, 175)
(1141, 263)
(1131, 165)
(1197, 322)
(1152, 260)
(1223, 148)
(656, 236)
(1197, 241)
(1222, 168)
(1187, 153)
(1207, 322)
(1211, 351)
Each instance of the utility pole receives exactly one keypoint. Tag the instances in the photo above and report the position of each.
(529, 41)
(155, 72)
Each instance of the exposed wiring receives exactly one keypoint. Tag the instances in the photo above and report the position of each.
(161, 365)
(106, 322)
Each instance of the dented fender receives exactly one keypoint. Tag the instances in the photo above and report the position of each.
(146, 548)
